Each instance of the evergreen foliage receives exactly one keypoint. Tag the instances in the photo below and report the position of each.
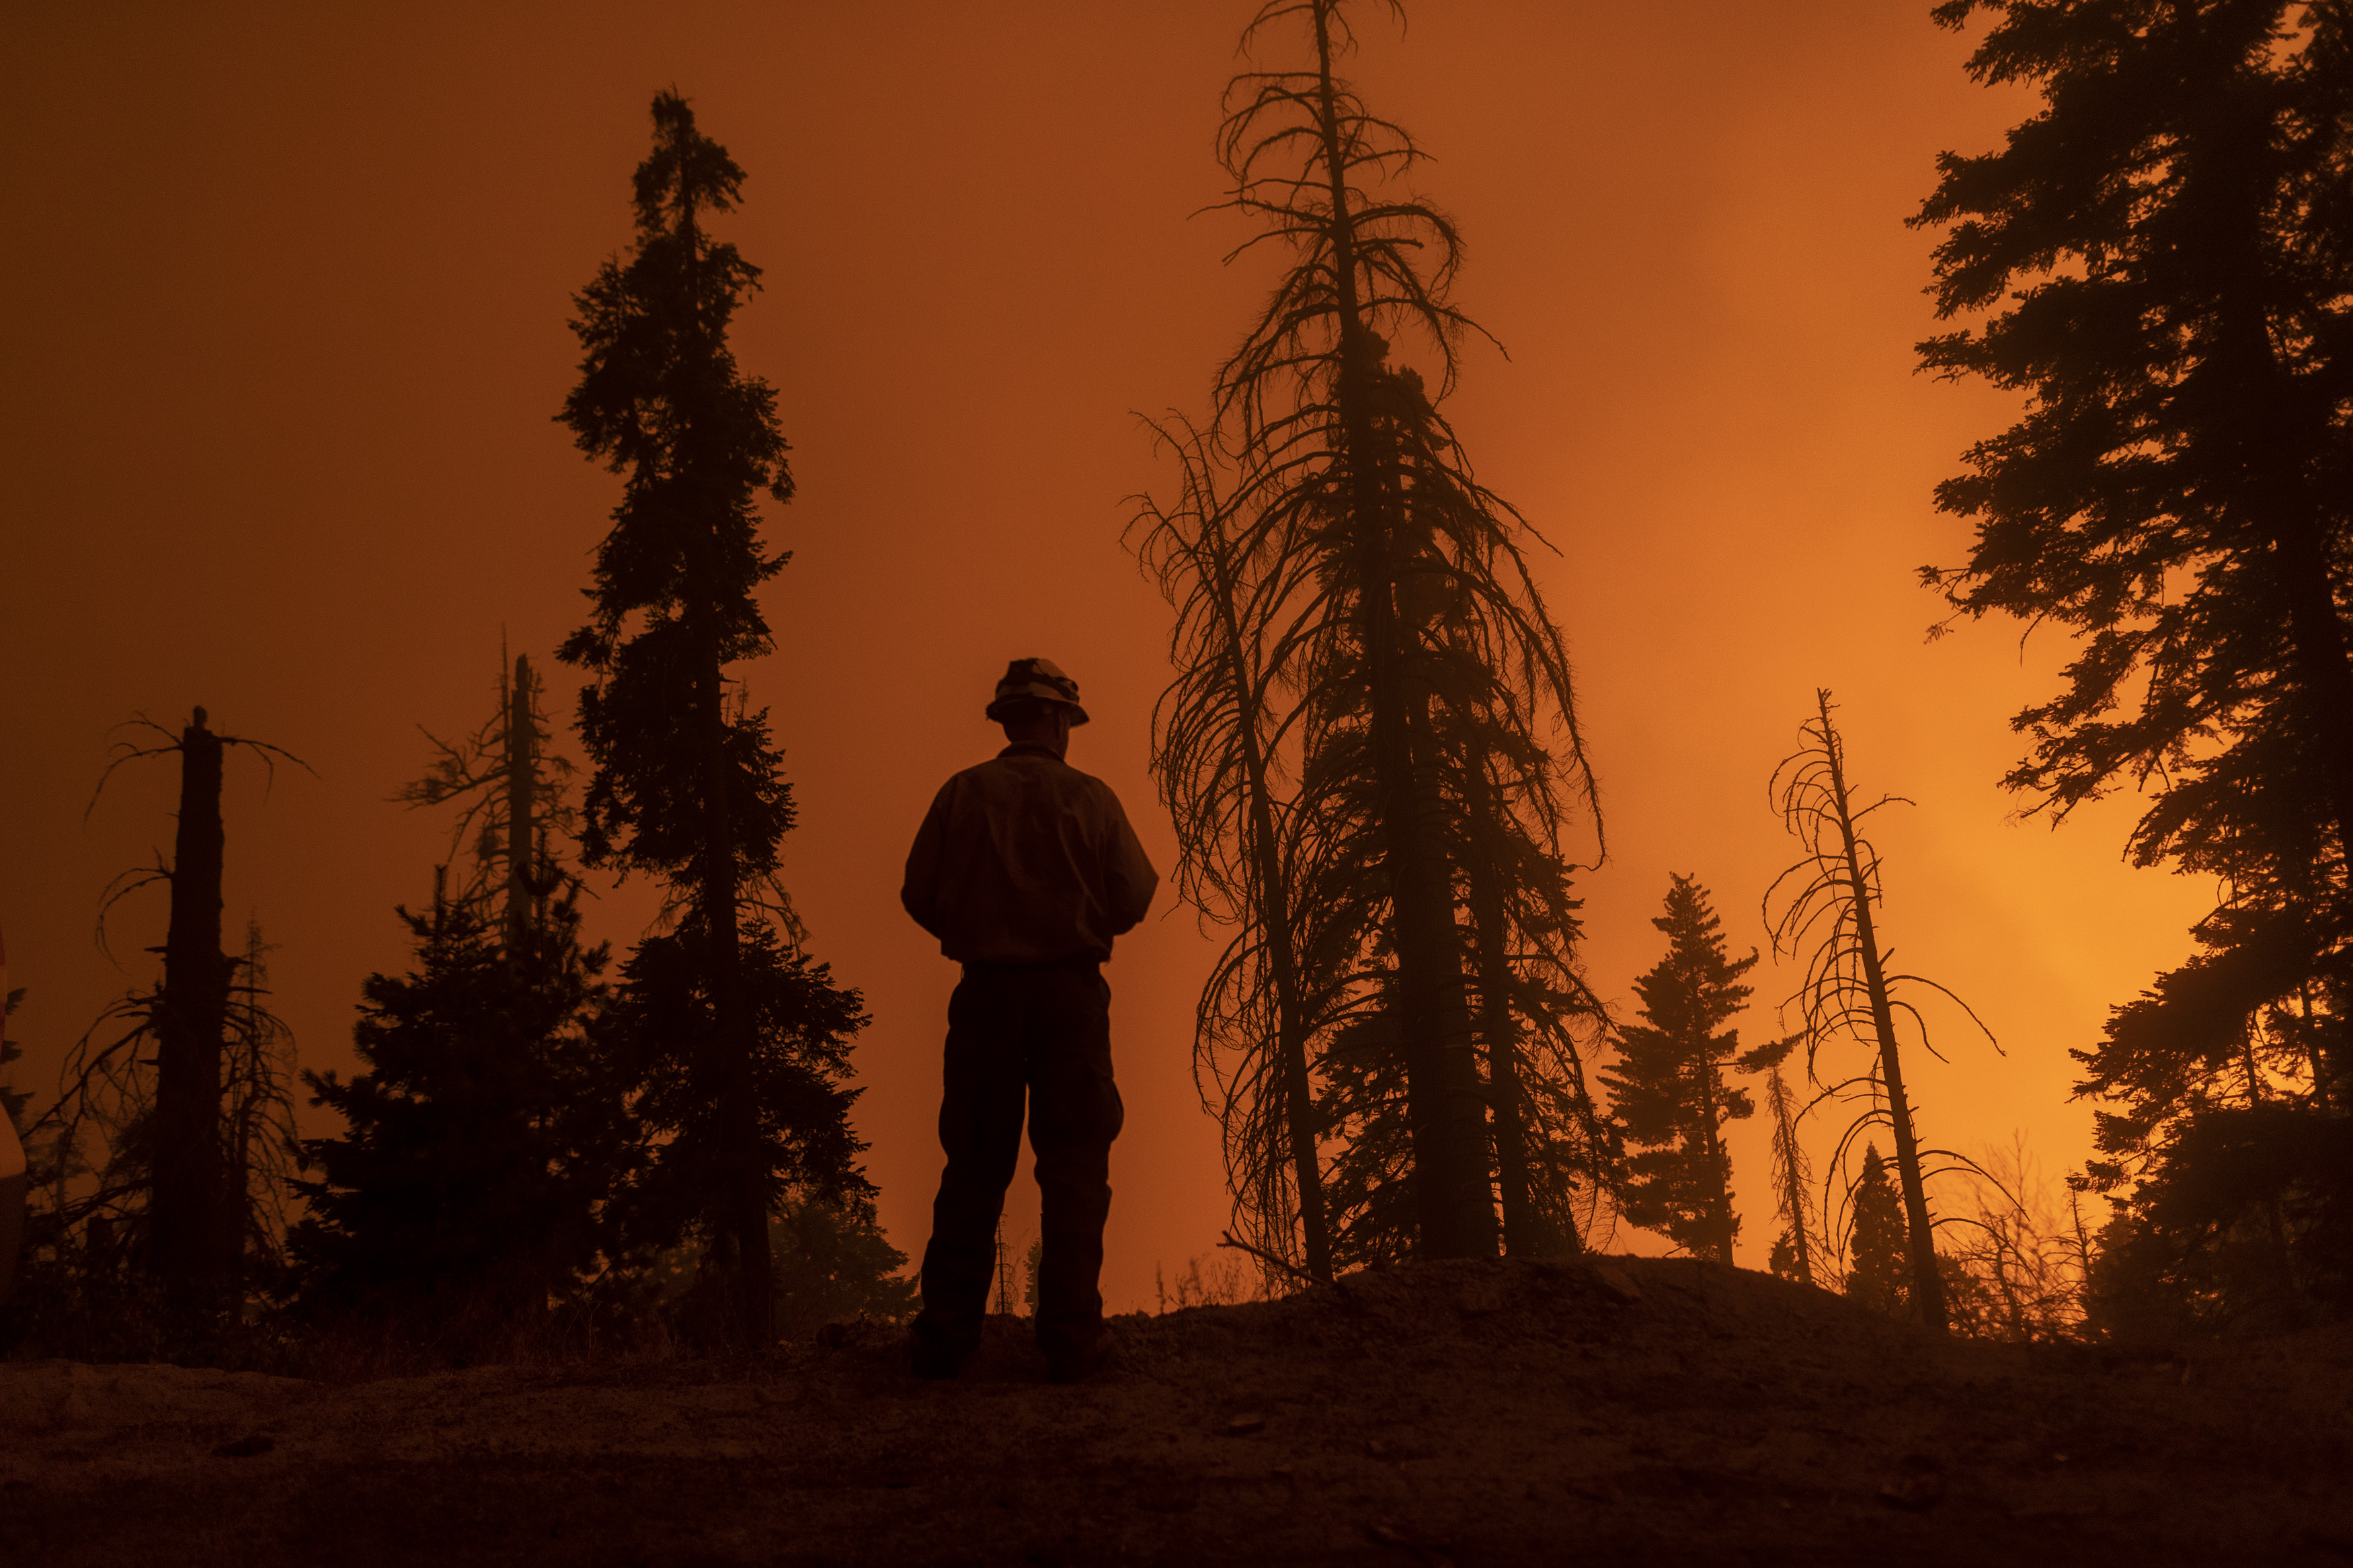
(1667, 1088)
(834, 1265)
(1370, 752)
(658, 1027)
(1371, 1191)
(737, 1039)
(2156, 261)
(2241, 1225)
(1879, 1245)
(484, 1137)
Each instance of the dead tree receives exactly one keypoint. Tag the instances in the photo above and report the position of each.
(1382, 561)
(1792, 1173)
(179, 1127)
(511, 789)
(259, 1151)
(1828, 919)
(191, 1235)
(1215, 731)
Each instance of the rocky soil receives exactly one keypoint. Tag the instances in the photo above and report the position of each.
(1644, 1411)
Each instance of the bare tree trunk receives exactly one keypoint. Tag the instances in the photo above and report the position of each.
(1719, 1197)
(1927, 1283)
(189, 1211)
(2312, 1058)
(1455, 1207)
(2296, 533)
(731, 1024)
(732, 1027)
(246, 1083)
(2283, 1257)
(1526, 1232)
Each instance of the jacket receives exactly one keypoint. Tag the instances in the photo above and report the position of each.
(1025, 860)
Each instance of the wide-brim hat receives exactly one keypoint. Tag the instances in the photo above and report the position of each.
(1036, 680)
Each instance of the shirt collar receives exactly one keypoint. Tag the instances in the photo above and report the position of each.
(1025, 750)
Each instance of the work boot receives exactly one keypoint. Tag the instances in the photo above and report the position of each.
(938, 1357)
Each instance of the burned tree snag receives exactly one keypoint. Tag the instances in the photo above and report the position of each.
(193, 1241)
(1829, 920)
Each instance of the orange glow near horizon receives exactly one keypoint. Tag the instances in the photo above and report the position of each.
(286, 333)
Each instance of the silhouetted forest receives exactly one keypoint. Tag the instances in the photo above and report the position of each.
(1372, 755)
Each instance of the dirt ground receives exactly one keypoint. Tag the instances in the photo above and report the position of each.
(1644, 1411)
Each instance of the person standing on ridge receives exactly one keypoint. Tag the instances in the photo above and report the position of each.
(1025, 870)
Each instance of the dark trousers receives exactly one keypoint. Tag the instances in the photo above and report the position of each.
(1039, 1032)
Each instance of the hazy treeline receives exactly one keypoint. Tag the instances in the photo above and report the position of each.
(1372, 755)
(542, 1142)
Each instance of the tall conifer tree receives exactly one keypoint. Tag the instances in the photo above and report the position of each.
(741, 1041)
(2157, 260)
(1668, 1087)
(1362, 638)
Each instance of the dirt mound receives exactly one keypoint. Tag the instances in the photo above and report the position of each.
(61, 1396)
(1638, 1411)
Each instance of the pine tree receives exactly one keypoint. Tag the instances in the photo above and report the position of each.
(1879, 1264)
(482, 1136)
(2156, 260)
(489, 1132)
(738, 1040)
(1667, 1089)
(1359, 607)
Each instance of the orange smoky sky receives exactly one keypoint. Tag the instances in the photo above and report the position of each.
(285, 303)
